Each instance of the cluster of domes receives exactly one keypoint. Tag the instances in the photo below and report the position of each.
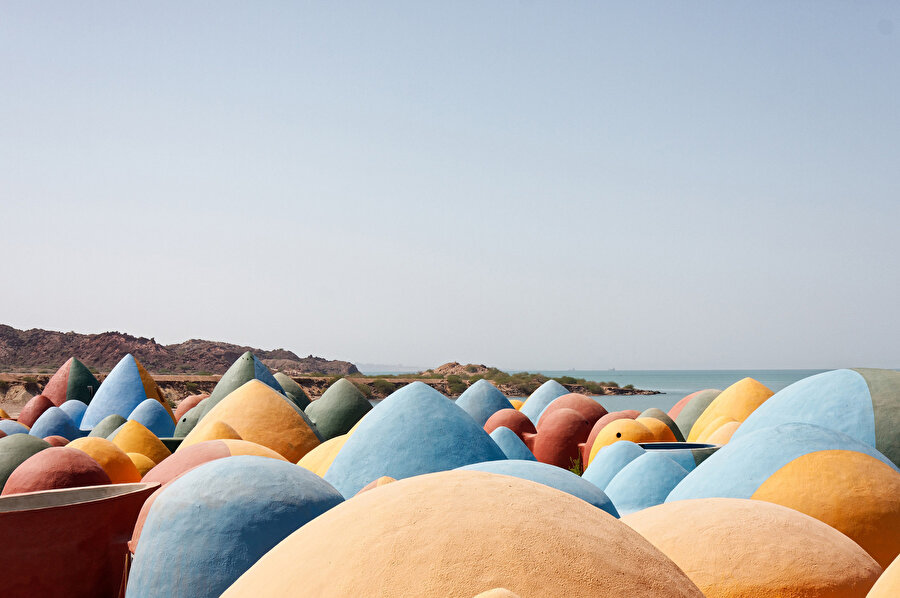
(254, 490)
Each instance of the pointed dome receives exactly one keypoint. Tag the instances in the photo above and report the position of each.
(535, 404)
(736, 403)
(133, 437)
(15, 449)
(338, 409)
(549, 475)
(415, 430)
(75, 410)
(154, 417)
(247, 367)
(188, 531)
(73, 381)
(474, 531)
(261, 415)
(55, 422)
(645, 482)
(731, 547)
(293, 390)
(127, 386)
(117, 465)
(54, 468)
(482, 400)
(215, 430)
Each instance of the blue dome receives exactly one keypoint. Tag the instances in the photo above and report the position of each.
(119, 393)
(511, 445)
(482, 400)
(154, 417)
(74, 409)
(740, 467)
(55, 422)
(543, 396)
(861, 403)
(549, 475)
(210, 525)
(10, 427)
(610, 460)
(645, 482)
(415, 430)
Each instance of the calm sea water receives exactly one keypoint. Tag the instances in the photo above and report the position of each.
(676, 384)
(673, 384)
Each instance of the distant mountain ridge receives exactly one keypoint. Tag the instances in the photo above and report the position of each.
(36, 348)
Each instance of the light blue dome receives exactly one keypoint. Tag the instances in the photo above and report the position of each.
(154, 417)
(213, 523)
(482, 400)
(511, 445)
(415, 430)
(645, 482)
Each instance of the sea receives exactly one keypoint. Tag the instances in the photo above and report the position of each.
(673, 385)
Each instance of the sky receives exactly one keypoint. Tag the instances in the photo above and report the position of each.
(532, 185)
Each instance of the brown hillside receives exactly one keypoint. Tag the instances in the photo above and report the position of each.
(35, 350)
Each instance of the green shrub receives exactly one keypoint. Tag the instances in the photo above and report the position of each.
(471, 368)
(191, 387)
(456, 387)
(383, 387)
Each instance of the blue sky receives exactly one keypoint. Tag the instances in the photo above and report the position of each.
(526, 184)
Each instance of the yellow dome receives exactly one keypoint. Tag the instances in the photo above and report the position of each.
(734, 547)
(117, 465)
(261, 415)
(143, 463)
(452, 534)
(133, 437)
(621, 429)
(320, 458)
(661, 432)
(852, 492)
(736, 403)
(723, 433)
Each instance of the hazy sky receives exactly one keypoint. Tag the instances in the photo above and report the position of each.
(524, 184)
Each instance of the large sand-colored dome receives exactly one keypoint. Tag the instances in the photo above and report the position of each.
(454, 534)
(734, 547)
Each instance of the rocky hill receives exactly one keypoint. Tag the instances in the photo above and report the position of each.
(36, 350)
